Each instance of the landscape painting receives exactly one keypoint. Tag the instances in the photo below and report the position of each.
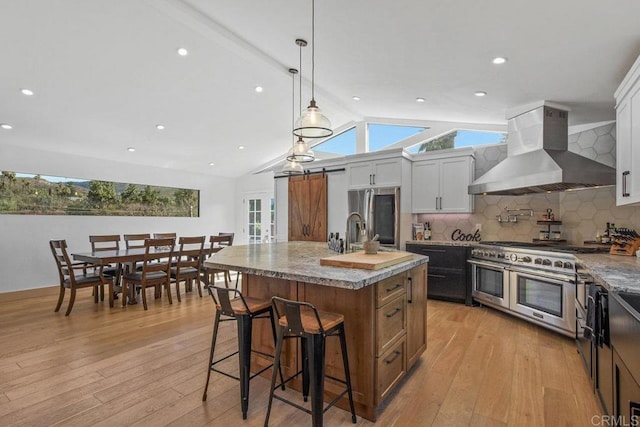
(29, 194)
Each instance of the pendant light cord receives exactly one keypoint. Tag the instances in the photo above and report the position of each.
(293, 101)
(300, 80)
(313, 50)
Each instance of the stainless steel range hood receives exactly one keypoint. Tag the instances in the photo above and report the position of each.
(538, 159)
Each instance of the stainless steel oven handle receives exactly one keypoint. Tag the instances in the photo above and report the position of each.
(487, 264)
(544, 275)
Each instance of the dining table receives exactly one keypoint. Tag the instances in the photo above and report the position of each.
(127, 257)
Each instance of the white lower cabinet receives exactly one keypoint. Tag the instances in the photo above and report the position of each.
(439, 185)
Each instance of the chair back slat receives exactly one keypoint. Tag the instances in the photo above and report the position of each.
(224, 298)
(293, 310)
(164, 235)
(133, 241)
(100, 243)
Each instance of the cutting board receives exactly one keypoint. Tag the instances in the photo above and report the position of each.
(367, 261)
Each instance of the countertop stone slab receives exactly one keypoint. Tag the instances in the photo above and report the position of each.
(620, 273)
(300, 261)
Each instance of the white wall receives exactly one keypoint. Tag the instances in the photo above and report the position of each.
(25, 259)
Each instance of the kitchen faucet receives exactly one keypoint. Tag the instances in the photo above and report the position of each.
(347, 239)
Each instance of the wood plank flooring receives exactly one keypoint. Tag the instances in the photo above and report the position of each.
(112, 367)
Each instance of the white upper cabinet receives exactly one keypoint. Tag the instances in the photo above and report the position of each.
(628, 138)
(439, 184)
(375, 173)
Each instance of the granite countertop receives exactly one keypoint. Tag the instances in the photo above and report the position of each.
(621, 273)
(300, 261)
(441, 242)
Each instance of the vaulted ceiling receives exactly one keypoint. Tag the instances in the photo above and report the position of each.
(106, 72)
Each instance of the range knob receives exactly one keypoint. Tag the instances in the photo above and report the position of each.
(558, 264)
(568, 265)
(513, 257)
(526, 259)
(538, 261)
(546, 261)
(501, 255)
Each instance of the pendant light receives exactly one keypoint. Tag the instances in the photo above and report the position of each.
(312, 124)
(292, 167)
(301, 152)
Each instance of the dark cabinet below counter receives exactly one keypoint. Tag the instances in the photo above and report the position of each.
(448, 274)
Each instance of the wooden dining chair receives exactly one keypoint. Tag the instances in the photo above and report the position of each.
(155, 272)
(216, 244)
(229, 242)
(72, 280)
(189, 263)
(103, 243)
(135, 241)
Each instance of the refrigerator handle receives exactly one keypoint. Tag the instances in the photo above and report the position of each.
(368, 212)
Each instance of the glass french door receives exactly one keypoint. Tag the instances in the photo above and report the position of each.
(260, 223)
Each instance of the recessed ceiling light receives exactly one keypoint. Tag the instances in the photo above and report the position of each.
(182, 51)
(419, 99)
(160, 127)
(499, 60)
(131, 149)
(241, 147)
(212, 164)
(479, 93)
(6, 126)
(27, 92)
(259, 89)
(356, 98)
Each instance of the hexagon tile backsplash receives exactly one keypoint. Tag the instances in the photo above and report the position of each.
(583, 213)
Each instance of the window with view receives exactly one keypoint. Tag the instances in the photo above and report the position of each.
(458, 139)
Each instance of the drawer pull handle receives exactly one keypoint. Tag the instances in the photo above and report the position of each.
(396, 354)
(394, 288)
(439, 276)
(394, 312)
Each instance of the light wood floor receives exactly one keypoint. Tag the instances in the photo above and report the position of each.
(113, 367)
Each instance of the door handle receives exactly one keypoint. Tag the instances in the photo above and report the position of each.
(625, 174)
(370, 179)
(374, 179)
(410, 299)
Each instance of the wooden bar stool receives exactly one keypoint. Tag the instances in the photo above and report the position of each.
(302, 320)
(234, 306)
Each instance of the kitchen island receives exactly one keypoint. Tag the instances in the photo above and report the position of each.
(384, 311)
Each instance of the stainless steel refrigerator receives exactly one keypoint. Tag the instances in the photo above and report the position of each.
(380, 209)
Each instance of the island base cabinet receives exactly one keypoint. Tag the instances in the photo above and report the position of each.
(376, 344)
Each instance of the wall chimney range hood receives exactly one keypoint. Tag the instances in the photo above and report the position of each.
(538, 159)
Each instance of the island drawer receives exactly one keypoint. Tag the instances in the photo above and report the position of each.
(390, 288)
(391, 368)
(391, 320)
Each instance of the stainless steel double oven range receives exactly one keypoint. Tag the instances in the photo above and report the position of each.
(536, 283)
